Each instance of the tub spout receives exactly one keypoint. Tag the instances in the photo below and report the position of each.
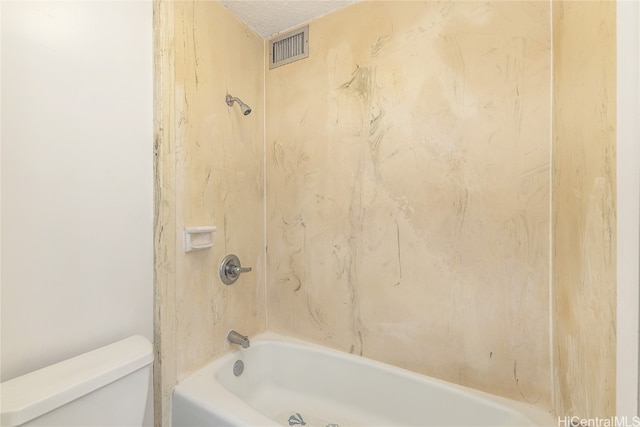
(239, 339)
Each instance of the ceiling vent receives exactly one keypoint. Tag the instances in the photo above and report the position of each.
(289, 47)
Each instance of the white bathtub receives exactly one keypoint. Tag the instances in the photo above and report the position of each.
(288, 382)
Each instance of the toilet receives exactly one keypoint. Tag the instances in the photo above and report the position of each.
(104, 387)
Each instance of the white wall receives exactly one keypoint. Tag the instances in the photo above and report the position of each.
(628, 187)
(77, 178)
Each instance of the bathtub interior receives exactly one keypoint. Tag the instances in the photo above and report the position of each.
(303, 384)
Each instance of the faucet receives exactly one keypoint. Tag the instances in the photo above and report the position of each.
(237, 338)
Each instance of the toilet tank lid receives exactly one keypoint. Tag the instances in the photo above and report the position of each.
(36, 393)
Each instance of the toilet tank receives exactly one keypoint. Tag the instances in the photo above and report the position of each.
(104, 387)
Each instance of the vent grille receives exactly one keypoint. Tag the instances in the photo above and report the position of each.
(289, 47)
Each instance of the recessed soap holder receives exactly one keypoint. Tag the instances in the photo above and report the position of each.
(198, 238)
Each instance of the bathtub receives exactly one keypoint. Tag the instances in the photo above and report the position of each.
(287, 382)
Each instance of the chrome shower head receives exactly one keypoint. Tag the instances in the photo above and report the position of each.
(244, 107)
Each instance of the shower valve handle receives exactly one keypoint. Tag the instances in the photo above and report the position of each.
(230, 269)
(237, 270)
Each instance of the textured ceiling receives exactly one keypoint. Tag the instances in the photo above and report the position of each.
(269, 17)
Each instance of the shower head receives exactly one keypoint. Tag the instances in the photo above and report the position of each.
(244, 107)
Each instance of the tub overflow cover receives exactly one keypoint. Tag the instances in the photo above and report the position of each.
(238, 368)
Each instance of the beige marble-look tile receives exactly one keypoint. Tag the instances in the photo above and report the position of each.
(209, 171)
(164, 367)
(584, 208)
(408, 190)
(219, 170)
